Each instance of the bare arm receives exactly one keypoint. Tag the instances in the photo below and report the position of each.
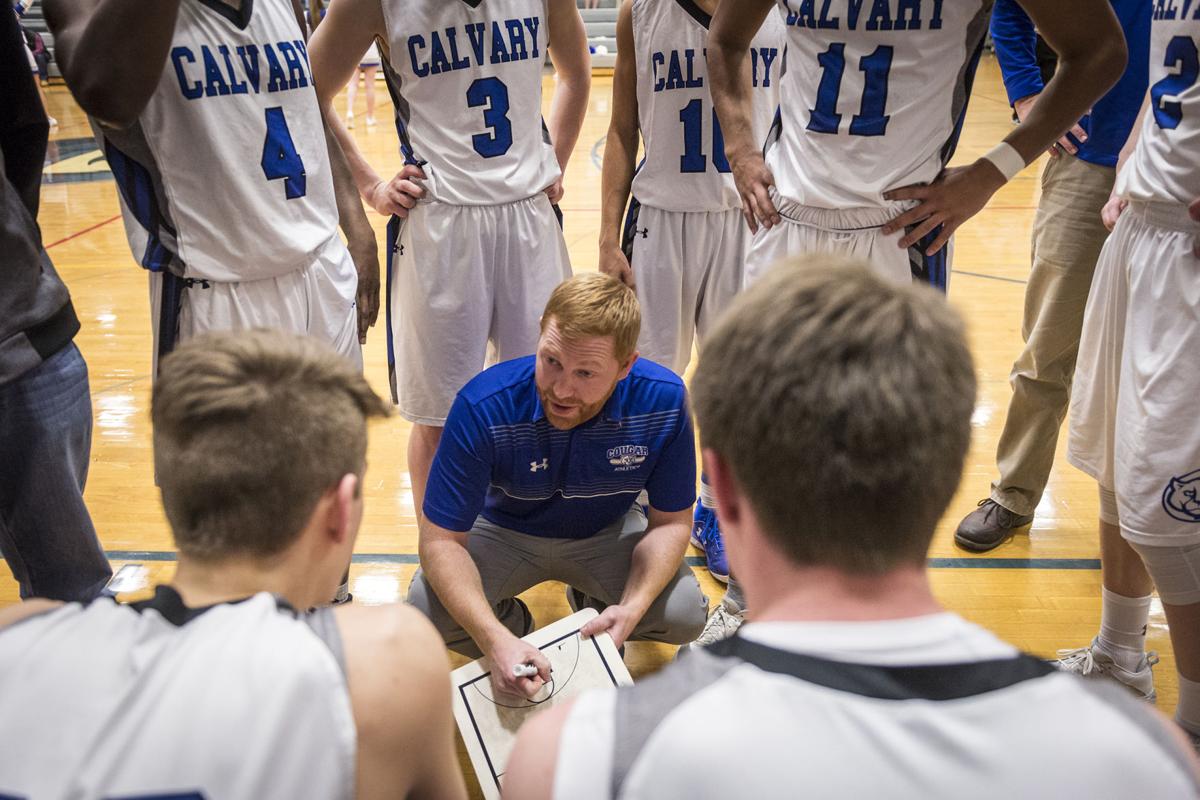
(17, 612)
(529, 774)
(453, 576)
(733, 28)
(573, 77)
(1092, 54)
(620, 152)
(1116, 205)
(112, 52)
(656, 559)
(337, 46)
(399, 681)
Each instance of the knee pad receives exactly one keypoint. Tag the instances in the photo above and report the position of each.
(1108, 506)
(1175, 570)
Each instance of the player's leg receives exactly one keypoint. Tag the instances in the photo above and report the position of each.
(508, 564)
(1067, 238)
(369, 92)
(665, 288)
(351, 91)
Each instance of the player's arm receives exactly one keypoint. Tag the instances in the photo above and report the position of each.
(1116, 204)
(360, 238)
(529, 774)
(1016, 51)
(337, 46)
(729, 37)
(620, 152)
(11, 615)
(111, 52)
(1091, 52)
(573, 82)
(399, 680)
(455, 579)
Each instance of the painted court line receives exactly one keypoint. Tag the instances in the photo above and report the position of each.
(692, 561)
(77, 234)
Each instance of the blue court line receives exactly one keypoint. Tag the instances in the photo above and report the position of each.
(692, 561)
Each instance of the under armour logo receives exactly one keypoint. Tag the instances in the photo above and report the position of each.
(642, 232)
(534, 466)
(398, 249)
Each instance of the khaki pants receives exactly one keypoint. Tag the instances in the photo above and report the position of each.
(1067, 238)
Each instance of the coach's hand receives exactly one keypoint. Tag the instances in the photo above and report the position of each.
(754, 182)
(1025, 105)
(509, 652)
(397, 196)
(614, 264)
(958, 194)
(366, 262)
(617, 621)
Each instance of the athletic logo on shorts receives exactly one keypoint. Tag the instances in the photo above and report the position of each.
(643, 232)
(1181, 498)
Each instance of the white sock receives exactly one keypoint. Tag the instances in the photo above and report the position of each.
(1187, 713)
(707, 497)
(1123, 627)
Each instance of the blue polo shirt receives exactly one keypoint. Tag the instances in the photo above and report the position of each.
(1113, 114)
(500, 457)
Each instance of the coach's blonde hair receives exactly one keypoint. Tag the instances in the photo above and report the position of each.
(250, 429)
(593, 304)
(842, 405)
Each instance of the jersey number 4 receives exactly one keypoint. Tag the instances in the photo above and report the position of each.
(1182, 55)
(870, 120)
(279, 156)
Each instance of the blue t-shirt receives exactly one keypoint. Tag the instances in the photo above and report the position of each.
(1113, 114)
(500, 457)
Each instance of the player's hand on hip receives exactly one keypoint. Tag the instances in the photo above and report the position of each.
(617, 621)
(958, 194)
(614, 263)
(366, 261)
(511, 652)
(1112, 210)
(1025, 105)
(401, 193)
(555, 191)
(754, 182)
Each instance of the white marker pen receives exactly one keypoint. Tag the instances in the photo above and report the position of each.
(524, 670)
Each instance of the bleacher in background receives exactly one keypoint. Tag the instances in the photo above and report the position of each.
(34, 20)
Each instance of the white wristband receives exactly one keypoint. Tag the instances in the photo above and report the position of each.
(1006, 159)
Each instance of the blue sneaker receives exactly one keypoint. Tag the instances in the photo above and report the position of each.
(706, 535)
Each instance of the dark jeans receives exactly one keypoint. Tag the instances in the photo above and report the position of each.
(46, 534)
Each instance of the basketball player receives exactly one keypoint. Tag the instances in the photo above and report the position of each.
(206, 112)
(1135, 385)
(684, 234)
(812, 398)
(471, 266)
(222, 685)
(872, 105)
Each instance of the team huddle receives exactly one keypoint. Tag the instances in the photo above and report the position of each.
(792, 218)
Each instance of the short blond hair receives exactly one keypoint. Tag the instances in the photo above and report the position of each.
(594, 304)
(250, 429)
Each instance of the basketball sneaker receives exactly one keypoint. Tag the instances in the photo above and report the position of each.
(1094, 661)
(706, 535)
(722, 623)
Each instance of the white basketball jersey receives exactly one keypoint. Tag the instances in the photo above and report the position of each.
(225, 175)
(685, 167)
(1165, 166)
(466, 80)
(242, 700)
(874, 95)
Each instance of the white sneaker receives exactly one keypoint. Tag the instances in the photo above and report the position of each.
(1094, 661)
(370, 122)
(722, 623)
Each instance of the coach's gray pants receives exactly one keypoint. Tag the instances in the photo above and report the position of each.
(1067, 238)
(510, 562)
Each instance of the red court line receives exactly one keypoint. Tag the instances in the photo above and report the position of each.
(77, 234)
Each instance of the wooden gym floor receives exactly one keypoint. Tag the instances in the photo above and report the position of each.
(1040, 591)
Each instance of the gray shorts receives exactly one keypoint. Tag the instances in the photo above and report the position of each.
(510, 562)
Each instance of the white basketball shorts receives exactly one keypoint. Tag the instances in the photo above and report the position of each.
(688, 268)
(466, 286)
(1136, 387)
(852, 232)
(318, 300)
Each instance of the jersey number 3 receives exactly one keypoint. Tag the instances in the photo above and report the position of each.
(491, 95)
(279, 156)
(1181, 53)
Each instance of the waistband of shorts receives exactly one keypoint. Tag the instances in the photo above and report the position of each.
(836, 219)
(1171, 216)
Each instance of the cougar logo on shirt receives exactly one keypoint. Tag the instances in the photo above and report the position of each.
(627, 456)
(1181, 498)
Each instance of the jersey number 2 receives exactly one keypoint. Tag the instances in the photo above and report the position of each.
(693, 160)
(492, 95)
(870, 120)
(1181, 53)
(279, 156)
